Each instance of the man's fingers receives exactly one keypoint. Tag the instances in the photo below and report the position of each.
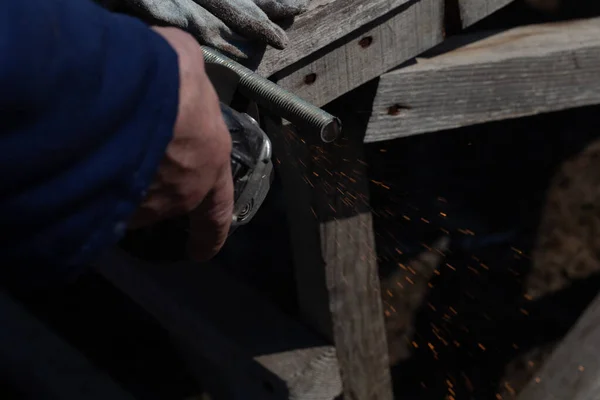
(280, 9)
(246, 18)
(211, 221)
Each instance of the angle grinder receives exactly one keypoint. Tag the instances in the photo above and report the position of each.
(251, 165)
(252, 173)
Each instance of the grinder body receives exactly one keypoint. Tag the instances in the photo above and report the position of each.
(251, 165)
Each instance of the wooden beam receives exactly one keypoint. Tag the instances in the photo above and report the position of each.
(237, 344)
(520, 72)
(334, 251)
(370, 38)
(313, 30)
(473, 11)
(573, 370)
(42, 365)
(404, 35)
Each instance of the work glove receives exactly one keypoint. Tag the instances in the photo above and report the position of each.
(230, 26)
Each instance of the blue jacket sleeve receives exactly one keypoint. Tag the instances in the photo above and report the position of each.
(88, 100)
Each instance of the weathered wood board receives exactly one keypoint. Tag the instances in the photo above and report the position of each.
(326, 188)
(43, 365)
(237, 344)
(520, 72)
(313, 30)
(406, 34)
(473, 11)
(390, 35)
(573, 370)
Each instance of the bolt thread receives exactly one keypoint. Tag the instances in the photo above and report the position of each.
(278, 100)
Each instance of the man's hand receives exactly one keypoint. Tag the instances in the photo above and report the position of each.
(227, 25)
(195, 175)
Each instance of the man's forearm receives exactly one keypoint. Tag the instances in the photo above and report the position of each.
(88, 100)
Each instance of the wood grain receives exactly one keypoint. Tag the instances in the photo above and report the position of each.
(236, 343)
(392, 34)
(573, 370)
(473, 11)
(324, 22)
(42, 365)
(334, 251)
(523, 71)
(387, 45)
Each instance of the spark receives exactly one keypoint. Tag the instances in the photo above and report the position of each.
(481, 346)
(524, 311)
(431, 306)
(451, 267)
(516, 250)
(409, 280)
(474, 270)
(415, 345)
(424, 220)
(484, 266)
(406, 217)
(538, 379)
(509, 388)
(443, 214)
(581, 368)
(528, 297)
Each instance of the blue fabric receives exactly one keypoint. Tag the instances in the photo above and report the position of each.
(88, 100)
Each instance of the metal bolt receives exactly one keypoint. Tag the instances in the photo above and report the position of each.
(278, 100)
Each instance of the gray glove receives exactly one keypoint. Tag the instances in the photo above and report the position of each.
(227, 25)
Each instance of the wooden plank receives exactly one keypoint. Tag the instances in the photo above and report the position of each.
(573, 370)
(334, 251)
(387, 45)
(237, 344)
(409, 29)
(523, 71)
(314, 30)
(42, 365)
(473, 11)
